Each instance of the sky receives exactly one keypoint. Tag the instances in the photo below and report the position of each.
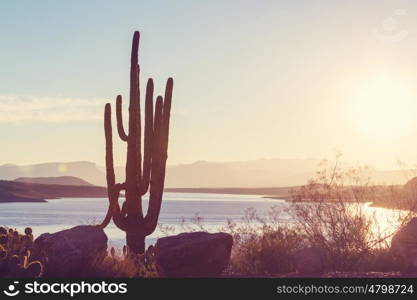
(264, 79)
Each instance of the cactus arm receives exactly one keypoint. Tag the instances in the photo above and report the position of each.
(110, 176)
(151, 219)
(109, 214)
(120, 129)
(155, 197)
(167, 115)
(113, 189)
(118, 219)
(148, 139)
(165, 131)
(113, 209)
(161, 131)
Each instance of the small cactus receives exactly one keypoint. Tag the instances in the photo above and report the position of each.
(3, 253)
(15, 255)
(21, 267)
(3, 230)
(3, 239)
(28, 232)
(33, 269)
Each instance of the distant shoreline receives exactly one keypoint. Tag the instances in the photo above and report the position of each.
(46, 200)
(13, 191)
(275, 193)
(18, 192)
(283, 192)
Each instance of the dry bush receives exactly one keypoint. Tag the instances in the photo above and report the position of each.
(125, 265)
(262, 245)
(331, 213)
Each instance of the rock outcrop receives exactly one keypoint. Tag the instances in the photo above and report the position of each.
(195, 254)
(309, 260)
(69, 251)
(404, 245)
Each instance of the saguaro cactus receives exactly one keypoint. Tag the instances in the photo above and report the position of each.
(145, 172)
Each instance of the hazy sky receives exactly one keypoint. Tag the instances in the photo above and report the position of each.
(253, 79)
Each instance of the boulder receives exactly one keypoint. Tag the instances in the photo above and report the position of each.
(195, 254)
(309, 260)
(404, 245)
(69, 251)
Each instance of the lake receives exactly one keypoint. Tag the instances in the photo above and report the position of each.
(213, 209)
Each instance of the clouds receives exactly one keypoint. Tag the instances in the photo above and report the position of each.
(45, 109)
(26, 108)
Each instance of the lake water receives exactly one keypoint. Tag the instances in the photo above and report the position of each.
(213, 209)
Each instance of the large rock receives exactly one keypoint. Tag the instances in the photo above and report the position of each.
(71, 250)
(404, 245)
(309, 260)
(195, 254)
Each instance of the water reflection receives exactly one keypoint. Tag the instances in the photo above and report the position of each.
(214, 210)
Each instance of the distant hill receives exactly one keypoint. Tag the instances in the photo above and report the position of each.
(61, 180)
(12, 191)
(86, 170)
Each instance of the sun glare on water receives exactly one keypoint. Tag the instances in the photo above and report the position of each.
(384, 108)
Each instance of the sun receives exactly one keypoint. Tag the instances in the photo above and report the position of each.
(384, 108)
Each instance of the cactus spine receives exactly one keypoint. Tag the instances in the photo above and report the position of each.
(145, 172)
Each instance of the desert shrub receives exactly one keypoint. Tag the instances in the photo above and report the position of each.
(262, 245)
(125, 265)
(331, 213)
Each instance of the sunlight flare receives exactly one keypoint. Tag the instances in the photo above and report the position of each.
(384, 108)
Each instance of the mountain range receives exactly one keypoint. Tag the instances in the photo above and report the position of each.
(61, 180)
(201, 174)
